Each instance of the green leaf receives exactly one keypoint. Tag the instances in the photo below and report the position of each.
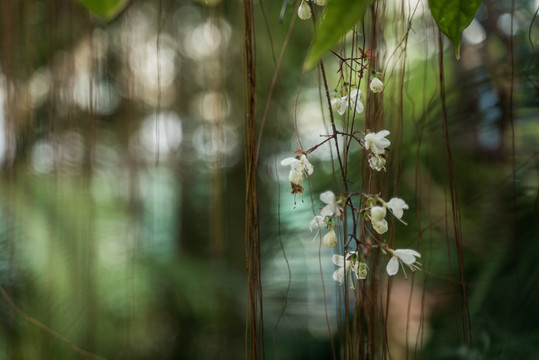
(453, 16)
(341, 16)
(105, 9)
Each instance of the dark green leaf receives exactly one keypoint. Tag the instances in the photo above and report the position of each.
(341, 16)
(453, 16)
(105, 9)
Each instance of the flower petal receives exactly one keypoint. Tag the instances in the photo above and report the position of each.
(408, 251)
(392, 266)
(407, 256)
(327, 211)
(342, 106)
(356, 93)
(380, 226)
(295, 177)
(289, 161)
(378, 213)
(328, 197)
(397, 206)
(382, 133)
(338, 260)
(338, 275)
(316, 220)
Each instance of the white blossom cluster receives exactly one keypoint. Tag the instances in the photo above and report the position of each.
(376, 144)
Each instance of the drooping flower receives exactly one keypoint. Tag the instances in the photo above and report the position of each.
(351, 264)
(402, 256)
(332, 208)
(321, 2)
(304, 11)
(297, 168)
(397, 207)
(376, 162)
(378, 221)
(377, 142)
(330, 239)
(340, 104)
(376, 85)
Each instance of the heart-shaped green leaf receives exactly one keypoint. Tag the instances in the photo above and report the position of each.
(105, 9)
(341, 16)
(453, 16)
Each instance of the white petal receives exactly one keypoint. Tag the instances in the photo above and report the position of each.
(397, 203)
(354, 94)
(342, 106)
(376, 162)
(316, 220)
(369, 137)
(327, 211)
(408, 251)
(338, 260)
(406, 258)
(382, 133)
(306, 165)
(328, 197)
(335, 104)
(378, 145)
(380, 226)
(338, 275)
(378, 213)
(295, 177)
(392, 266)
(359, 107)
(289, 161)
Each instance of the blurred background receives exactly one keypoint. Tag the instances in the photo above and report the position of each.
(122, 182)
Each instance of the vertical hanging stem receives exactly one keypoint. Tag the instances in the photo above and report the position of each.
(254, 317)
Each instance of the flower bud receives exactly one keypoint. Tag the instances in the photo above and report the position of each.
(304, 11)
(378, 213)
(362, 270)
(377, 163)
(376, 85)
(380, 226)
(330, 239)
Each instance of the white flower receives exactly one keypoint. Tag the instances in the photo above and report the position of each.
(377, 162)
(297, 168)
(341, 103)
(405, 256)
(378, 221)
(377, 142)
(330, 240)
(304, 11)
(331, 209)
(320, 2)
(397, 207)
(376, 85)
(351, 263)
